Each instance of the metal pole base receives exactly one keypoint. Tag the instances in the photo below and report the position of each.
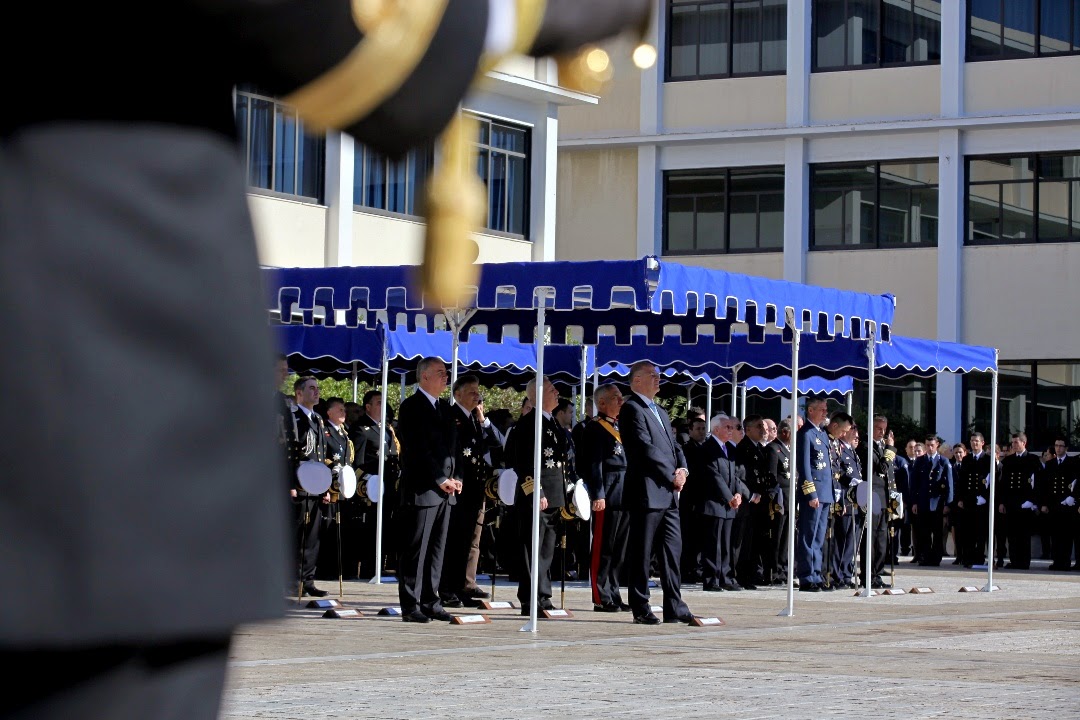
(786, 613)
(865, 593)
(989, 588)
(529, 627)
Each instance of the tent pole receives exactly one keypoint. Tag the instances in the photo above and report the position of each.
(708, 402)
(735, 391)
(742, 399)
(850, 394)
(377, 580)
(456, 345)
(793, 465)
(538, 416)
(992, 505)
(595, 375)
(871, 352)
(584, 377)
(403, 387)
(354, 388)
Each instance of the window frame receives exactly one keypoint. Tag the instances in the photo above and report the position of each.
(1038, 53)
(527, 173)
(725, 173)
(877, 244)
(730, 7)
(249, 94)
(416, 188)
(1032, 158)
(879, 65)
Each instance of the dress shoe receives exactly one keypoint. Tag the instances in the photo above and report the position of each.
(956, 561)
(312, 591)
(809, 587)
(731, 587)
(999, 564)
(451, 601)
(827, 587)
(688, 618)
(712, 588)
(778, 581)
(415, 616)
(648, 619)
(626, 608)
(749, 586)
(545, 604)
(439, 615)
(606, 608)
(879, 584)
(475, 593)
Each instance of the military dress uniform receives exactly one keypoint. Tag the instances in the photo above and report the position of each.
(816, 482)
(603, 463)
(972, 521)
(933, 487)
(552, 486)
(848, 474)
(339, 452)
(1053, 486)
(780, 468)
(1016, 497)
(309, 511)
(882, 487)
(359, 514)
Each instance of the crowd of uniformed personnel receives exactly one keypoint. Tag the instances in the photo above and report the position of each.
(711, 497)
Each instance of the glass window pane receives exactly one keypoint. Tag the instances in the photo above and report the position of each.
(714, 40)
(828, 218)
(896, 27)
(997, 169)
(312, 162)
(516, 181)
(862, 31)
(743, 222)
(774, 36)
(984, 32)
(984, 212)
(829, 29)
(420, 162)
(1076, 41)
(696, 184)
(895, 217)
(684, 42)
(680, 224)
(843, 176)
(485, 132)
(497, 193)
(375, 181)
(907, 174)
(1019, 28)
(1074, 209)
(396, 183)
(859, 225)
(284, 150)
(483, 169)
(924, 215)
(508, 138)
(1055, 26)
(1017, 211)
(771, 220)
(1054, 167)
(358, 173)
(261, 144)
(709, 221)
(927, 41)
(1053, 210)
(746, 37)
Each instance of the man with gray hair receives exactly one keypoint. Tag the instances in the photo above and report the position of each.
(722, 491)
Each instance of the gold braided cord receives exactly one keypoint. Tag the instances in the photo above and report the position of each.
(530, 15)
(400, 33)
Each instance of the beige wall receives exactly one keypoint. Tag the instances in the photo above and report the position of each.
(769, 265)
(289, 233)
(886, 93)
(619, 109)
(910, 274)
(725, 103)
(381, 240)
(519, 65)
(1022, 85)
(1026, 307)
(597, 205)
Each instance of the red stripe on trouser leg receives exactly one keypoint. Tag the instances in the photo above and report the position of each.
(597, 545)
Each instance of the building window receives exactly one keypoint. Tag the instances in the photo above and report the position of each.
(503, 165)
(881, 204)
(723, 211)
(1023, 198)
(279, 155)
(729, 38)
(853, 34)
(392, 185)
(1005, 29)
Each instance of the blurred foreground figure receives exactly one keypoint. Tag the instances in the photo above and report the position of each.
(142, 514)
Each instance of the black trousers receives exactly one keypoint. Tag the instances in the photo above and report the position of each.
(693, 539)
(743, 556)
(462, 546)
(717, 552)
(1017, 527)
(660, 528)
(308, 516)
(843, 547)
(930, 529)
(423, 543)
(611, 528)
(164, 681)
(1063, 521)
(767, 534)
(879, 541)
(547, 540)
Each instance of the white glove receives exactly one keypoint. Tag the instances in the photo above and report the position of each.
(1028, 505)
(980, 500)
(1069, 501)
(836, 496)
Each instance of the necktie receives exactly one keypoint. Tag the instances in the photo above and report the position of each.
(655, 412)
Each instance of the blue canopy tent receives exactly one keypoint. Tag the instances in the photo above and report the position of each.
(593, 298)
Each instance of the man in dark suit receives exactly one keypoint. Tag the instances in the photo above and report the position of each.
(1053, 490)
(360, 513)
(848, 474)
(816, 492)
(429, 487)
(780, 468)
(603, 461)
(340, 452)
(721, 490)
(1016, 500)
(309, 509)
(689, 517)
(883, 482)
(932, 483)
(458, 583)
(971, 496)
(655, 473)
(751, 538)
(554, 442)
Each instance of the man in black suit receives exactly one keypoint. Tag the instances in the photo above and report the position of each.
(780, 468)
(720, 487)
(554, 446)
(429, 487)
(603, 461)
(339, 453)
(750, 534)
(883, 483)
(933, 486)
(1054, 488)
(655, 473)
(309, 508)
(458, 583)
(972, 491)
(1016, 500)
(689, 517)
(360, 513)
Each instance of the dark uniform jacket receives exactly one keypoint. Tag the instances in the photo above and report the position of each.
(780, 467)
(1055, 482)
(971, 480)
(755, 459)
(310, 442)
(720, 476)
(365, 436)
(850, 473)
(428, 447)
(652, 455)
(1014, 485)
(554, 444)
(815, 465)
(339, 452)
(472, 448)
(603, 461)
(932, 480)
(884, 474)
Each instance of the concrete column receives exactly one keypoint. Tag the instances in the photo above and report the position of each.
(339, 199)
(545, 161)
(950, 305)
(796, 207)
(652, 79)
(799, 42)
(649, 205)
(953, 50)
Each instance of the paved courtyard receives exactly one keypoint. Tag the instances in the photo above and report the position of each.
(1013, 654)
